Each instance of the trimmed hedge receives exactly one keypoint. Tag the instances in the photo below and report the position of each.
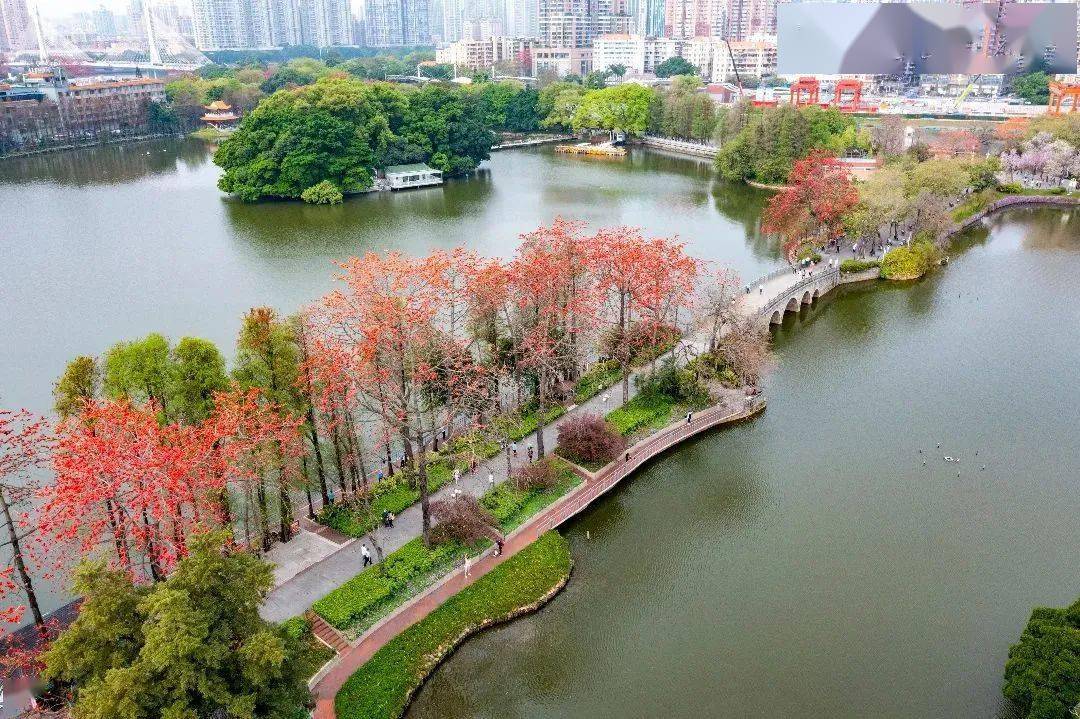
(511, 506)
(852, 266)
(372, 590)
(383, 686)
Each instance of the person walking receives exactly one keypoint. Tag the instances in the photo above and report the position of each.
(688, 416)
(390, 519)
(466, 565)
(513, 448)
(365, 554)
(761, 289)
(530, 453)
(491, 480)
(498, 546)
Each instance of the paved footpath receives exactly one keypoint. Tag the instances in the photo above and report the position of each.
(298, 593)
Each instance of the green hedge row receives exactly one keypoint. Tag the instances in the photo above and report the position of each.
(380, 689)
(851, 266)
(372, 590)
(645, 410)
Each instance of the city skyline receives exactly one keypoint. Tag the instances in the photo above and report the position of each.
(62, 8)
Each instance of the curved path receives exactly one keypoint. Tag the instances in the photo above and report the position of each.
(329, 681)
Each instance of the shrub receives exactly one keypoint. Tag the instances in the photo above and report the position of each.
(908, 263)
(461, 519)
(1010, 188)
(539, 475)
(678, 383)
(296, 627)
(646, 341)
(599, 377)
(381, 688)
(517, 426)
(323, 193)
(511, 506)
(852, 266)
(808, 252)
(370, 591)
(590, 439)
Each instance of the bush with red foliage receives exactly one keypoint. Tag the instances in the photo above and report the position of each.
(461, 519)
(590, 439)
(539, 475)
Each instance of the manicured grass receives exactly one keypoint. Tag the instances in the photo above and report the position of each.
(599, 377)
(382, 687)
(511, 506)
(516, 426)
(381, 587)
(648, 410)
(391, 495)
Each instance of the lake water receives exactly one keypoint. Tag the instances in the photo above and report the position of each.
(806, 564)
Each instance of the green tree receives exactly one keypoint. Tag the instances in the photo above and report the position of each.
(523, 112)
(332, 130)
(625, 108)
(1042, 674)
(618, 69)
(80, 382)
(190, 646)
(447, 125)
(675, 66)
(268, 357)
(597, 79)
(199, 372)
(142, 371)
(558, 102)
(1033, 87)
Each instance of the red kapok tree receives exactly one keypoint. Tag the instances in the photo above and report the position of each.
(813, 205)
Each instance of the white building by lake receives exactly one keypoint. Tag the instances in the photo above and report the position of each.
(401, 177)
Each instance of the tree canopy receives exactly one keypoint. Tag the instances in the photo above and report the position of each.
(626, 108)
(190, 646)
(1042, 674)
(675, 66)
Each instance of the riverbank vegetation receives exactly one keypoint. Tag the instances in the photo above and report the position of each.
(384, 685)
(1042, 674)
(190, 645)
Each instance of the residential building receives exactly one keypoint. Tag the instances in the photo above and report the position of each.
(225, 25)
(566, 23)
(751, 58)
(325, 23)
(638, 53)
(251, 24)
(684, 19)
(522, 18)
(562, 61)
(479, 55)
(394, 23)
(16, 27)
(747, 19)
(45, 110)
(649, 17)
(482, 29)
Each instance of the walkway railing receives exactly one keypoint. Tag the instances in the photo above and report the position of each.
(831, 274)
(785, 270)
(643, 451)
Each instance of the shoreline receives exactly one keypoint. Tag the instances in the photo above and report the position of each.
(97, 143)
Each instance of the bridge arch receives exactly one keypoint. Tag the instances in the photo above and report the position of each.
(806, 298)
(792, 304)
(777, 318)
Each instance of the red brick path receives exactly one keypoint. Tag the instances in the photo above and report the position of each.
(563, 509)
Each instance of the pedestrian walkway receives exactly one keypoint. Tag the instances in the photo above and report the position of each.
(292, 597)
(326, 685)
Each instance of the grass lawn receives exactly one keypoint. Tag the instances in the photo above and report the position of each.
(381, 689)
(315, 653)
(648, 411)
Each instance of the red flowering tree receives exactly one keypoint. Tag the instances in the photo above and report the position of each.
(952, 143)
(553, 304)
(395, 342)
(24, 446)
(642, 281)
(812, 207)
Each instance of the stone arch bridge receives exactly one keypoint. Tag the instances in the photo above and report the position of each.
(787, 290)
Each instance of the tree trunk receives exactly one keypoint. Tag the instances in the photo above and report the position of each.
(119, 536)
(307, 489)
(264, 520)
(285, 510)
(20, 565)
(320, 469)
(156, 572)
(335, 436)
(422, 485)
(541, 415)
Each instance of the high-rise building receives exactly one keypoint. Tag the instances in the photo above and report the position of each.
(16, 28)
(638, 53)
(522, 18)
(567, 23)
(104, 23)
(394, 23)
(478, 55)
(247, 24)
(745, 19)
(684, 19)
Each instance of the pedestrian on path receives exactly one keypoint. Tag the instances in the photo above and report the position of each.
(688, 416)
(498, 546)
(761, 289)
(530, 452)
(513, 448)
(474, 464)
(491, 480)
(606, 397)
(466, 565)
(366, 554)
(391, 519)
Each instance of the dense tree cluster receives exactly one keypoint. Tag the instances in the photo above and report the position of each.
(339, 130)
(763, 144)
(1042, 674)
